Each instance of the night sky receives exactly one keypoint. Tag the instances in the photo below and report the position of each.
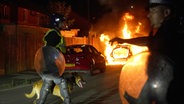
(104, 15)
(96, 9)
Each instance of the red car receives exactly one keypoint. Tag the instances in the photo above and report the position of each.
(84, 58)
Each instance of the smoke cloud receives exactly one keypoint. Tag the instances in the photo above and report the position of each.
(110, 21)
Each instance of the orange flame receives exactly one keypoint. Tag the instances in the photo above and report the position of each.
(126, 34)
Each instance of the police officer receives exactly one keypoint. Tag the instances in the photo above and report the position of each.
(51, 66)
(166, 38)
(53, 36)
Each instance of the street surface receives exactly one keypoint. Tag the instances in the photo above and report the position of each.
(102, 88)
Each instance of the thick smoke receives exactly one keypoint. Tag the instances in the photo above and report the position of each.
(110, 21)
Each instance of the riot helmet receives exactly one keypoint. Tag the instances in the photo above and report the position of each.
(153, 3)
(161, 1)
(56, 20)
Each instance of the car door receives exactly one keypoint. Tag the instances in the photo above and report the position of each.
(98, 58)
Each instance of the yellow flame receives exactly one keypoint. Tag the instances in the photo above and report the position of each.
(126, 34)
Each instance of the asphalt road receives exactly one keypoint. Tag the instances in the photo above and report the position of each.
(102, 88)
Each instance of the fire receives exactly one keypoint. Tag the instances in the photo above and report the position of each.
(104, 38)
(119, 53)
(125, 31)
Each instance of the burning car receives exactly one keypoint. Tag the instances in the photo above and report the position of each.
(117, 53)
(121, 53)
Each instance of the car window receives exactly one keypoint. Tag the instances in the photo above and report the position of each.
(73, 50)
(78, 50)
(94, 50)
(90, 50)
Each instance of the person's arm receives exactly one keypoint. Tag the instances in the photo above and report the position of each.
(62, 45)
(141, 41)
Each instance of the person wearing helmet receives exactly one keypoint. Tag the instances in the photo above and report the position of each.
(53, 36)
(50, 62)
(166, 38)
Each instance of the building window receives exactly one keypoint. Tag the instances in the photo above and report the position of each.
(4, 12)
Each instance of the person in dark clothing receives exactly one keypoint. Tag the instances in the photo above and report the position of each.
(50, 62)
(166, 38)
(53, 36)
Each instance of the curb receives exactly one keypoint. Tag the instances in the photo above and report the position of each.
(16, 80)
(15, 83)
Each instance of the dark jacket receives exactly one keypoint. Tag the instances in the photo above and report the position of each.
(169, 39)
(55, 39)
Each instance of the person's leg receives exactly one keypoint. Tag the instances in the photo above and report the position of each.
(63, 90)
(46, 87)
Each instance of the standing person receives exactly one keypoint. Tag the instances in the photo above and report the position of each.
(53, 36)
(166, 38)
(52, 61)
